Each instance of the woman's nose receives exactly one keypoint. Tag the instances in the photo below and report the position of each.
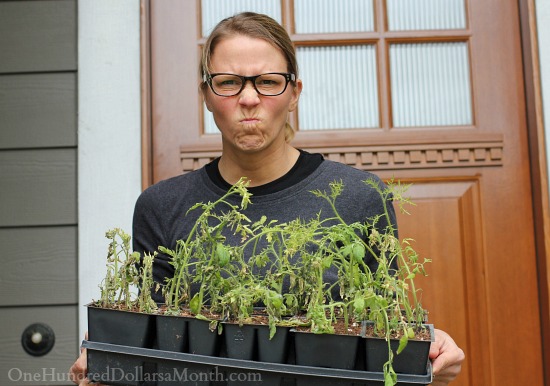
(249, 95)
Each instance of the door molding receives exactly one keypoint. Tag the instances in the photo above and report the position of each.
(386, 157)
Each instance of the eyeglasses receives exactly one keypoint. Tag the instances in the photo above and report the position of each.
(270, 84)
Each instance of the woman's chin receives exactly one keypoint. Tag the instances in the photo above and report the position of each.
(249, 146)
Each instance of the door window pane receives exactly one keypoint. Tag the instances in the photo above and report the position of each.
(328, 16)
(213, 11)
(426, 14)
(340, 87)
(430, 84)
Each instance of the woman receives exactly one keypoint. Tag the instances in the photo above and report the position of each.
(250, 84)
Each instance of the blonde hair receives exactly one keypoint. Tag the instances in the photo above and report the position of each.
(254, 25)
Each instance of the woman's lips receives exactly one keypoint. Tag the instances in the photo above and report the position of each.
(250, 120)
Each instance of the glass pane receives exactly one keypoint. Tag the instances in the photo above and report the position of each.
(328, 16)
(426, 14)
(430, 84)
(213, 11)
(340, 87)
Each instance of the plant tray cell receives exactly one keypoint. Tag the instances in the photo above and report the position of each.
(132, 366)
(120, 327)
(410, 361)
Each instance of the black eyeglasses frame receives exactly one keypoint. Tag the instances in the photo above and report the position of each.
(289, 77)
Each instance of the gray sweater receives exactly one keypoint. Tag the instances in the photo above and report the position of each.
(160, 213)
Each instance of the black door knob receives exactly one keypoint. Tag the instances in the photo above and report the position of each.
(38, 339)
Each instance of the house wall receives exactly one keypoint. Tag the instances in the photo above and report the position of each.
(543, 29)
(38, 188)
(109, 150)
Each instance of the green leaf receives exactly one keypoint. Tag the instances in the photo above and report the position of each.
(402, 343)
(390, 377)
(222, 254)
(276, 299)
(388, 380)
(194, 304)
(359, 304)
(358, 252)
(347, 250)
(272, 330)
(327, 262)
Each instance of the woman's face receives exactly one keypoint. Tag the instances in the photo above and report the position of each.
(250, 122)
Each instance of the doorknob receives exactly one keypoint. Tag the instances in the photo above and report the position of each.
(38, 339)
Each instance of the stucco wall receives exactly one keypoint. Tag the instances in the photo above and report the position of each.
(109, 140)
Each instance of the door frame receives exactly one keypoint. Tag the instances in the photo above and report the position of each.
(534, 123)
(539, 167)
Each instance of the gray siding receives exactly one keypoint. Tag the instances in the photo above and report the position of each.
(38, 187)
(38, 36)
(38, 192)
(38, 110)
(47, 270)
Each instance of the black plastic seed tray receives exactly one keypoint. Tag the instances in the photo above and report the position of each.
(130, 366)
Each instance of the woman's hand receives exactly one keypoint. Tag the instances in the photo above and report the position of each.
(79, 369)
(446, 357)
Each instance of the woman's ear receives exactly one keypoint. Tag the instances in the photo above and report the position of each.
(296, 91)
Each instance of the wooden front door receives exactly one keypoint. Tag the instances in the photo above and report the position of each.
(447, 114)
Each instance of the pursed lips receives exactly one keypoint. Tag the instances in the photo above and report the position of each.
(250, 120)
